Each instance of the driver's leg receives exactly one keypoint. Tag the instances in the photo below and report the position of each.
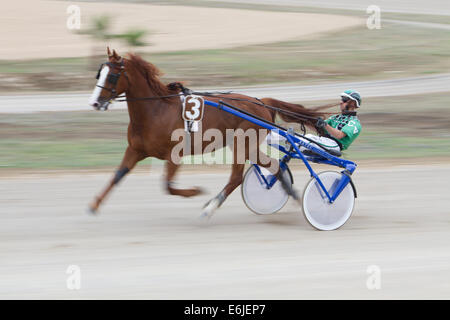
(322, 142)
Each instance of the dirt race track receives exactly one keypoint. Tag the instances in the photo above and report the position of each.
(146, 244)
(169, 28)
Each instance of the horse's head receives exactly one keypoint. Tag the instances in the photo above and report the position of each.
(112, 80)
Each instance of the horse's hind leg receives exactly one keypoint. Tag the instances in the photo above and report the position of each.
(241, 152)
(256, 156)
(236, 177)
(273, 165)
(171, 169)
(130, 159)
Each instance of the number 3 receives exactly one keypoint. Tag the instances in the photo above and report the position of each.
(195, 108)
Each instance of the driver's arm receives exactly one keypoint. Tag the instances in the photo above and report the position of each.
(338, 134)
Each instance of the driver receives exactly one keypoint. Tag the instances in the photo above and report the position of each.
(339, 131)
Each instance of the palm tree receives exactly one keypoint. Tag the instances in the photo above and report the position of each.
(133, 37)
(99, 31)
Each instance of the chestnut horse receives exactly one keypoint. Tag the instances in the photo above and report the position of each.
(152, 122)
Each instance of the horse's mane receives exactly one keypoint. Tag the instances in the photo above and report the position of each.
(151, 73)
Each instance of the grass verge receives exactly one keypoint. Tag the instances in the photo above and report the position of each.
(398, 127)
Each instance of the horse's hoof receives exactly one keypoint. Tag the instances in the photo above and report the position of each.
(199, 191)
(205, 216)
(92, 211)
(204, 219)
(209, 208)
(193, 192)
(288, 187)
(206, 212)
(187, 193)
(295, 195)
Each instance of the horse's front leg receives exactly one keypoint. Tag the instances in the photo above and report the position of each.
(130, 158)
(171, 169)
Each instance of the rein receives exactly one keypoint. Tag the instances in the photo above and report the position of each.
(187, 91)
(124, 98)
(262, 104)
(113, 78)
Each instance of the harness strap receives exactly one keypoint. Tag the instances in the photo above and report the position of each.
(186, 91)
(260, 103)
(124, 98)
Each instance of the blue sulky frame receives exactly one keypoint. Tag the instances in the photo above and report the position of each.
(320, 156)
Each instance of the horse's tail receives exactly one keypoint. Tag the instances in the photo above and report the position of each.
(310, 114)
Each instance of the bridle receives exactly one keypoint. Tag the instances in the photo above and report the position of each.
(113, 77)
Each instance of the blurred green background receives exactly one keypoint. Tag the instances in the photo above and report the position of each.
(393, 128)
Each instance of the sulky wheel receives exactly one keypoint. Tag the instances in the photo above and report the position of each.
(257, 197)
(318, 211)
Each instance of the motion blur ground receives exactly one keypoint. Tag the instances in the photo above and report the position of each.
(148, 245)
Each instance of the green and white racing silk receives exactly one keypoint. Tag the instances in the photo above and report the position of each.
(349, 124)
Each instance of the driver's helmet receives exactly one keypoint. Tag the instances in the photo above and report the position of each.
(353, 95)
